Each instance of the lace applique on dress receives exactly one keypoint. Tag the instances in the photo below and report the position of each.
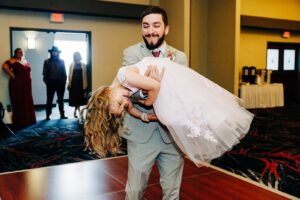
(198, 127)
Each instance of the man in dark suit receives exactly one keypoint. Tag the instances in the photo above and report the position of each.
(55, 77)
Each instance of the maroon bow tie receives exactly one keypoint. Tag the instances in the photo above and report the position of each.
(156, 53)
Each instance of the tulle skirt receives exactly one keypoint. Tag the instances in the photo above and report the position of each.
(204, 119)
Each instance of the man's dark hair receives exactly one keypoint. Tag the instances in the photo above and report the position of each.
(155, 10)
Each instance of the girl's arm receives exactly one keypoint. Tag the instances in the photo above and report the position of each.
(151, 85)
(146, 117)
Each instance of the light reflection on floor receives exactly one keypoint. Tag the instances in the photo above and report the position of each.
(69, 112)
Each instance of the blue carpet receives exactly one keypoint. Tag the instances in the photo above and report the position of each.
(46, 143)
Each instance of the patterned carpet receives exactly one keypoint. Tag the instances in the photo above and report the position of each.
(269, 154)
(47, 143)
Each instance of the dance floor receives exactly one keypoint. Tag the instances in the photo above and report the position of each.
(105, 179)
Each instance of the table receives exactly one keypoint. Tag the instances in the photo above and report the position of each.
(262, 96)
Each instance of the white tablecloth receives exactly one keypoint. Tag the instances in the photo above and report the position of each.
(262, 96)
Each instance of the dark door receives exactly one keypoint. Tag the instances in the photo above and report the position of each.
(288, 70)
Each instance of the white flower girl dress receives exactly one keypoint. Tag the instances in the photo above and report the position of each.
(205, 120)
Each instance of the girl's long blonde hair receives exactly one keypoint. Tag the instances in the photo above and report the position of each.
(101, 128)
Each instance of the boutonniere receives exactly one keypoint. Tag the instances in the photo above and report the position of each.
(171, 55)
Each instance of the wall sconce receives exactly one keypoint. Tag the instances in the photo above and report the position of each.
(30, 43)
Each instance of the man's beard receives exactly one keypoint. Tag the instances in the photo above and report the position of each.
(154, 46)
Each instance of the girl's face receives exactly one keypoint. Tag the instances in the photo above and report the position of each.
(118, 100)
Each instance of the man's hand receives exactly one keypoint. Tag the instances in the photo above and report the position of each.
(144, 102)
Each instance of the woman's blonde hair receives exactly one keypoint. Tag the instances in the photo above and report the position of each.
(101, 128)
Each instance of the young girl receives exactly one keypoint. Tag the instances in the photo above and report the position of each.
(204, 119)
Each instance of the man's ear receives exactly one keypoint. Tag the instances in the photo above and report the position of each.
(167, 30)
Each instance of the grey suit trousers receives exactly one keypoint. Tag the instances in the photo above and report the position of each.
(141, 159)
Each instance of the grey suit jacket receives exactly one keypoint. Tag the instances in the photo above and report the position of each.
(137, 130)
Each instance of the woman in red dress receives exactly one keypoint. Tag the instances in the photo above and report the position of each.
(20, 89)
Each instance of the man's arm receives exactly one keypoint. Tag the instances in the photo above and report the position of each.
(129, 57)
(181, 58)
(146, 117)
(45, 71)
(64, 70)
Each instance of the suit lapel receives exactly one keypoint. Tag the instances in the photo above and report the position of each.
(144, 51)
(168, 50)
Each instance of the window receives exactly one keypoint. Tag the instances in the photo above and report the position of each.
(272, 59)
(282, 57)
(289, 59)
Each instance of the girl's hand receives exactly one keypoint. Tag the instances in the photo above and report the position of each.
(153, 72)
(152, 117)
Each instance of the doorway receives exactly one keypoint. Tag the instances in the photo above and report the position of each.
(36, 43)
(284, 61)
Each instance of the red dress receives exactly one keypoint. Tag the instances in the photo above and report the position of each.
(21, 95)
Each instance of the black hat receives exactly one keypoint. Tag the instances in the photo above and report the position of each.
(54, 48)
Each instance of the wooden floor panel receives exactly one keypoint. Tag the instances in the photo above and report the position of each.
(106, 179)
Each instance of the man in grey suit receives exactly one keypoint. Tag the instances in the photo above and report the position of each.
(148, 142)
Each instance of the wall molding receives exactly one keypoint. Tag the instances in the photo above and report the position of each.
(269, 23)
